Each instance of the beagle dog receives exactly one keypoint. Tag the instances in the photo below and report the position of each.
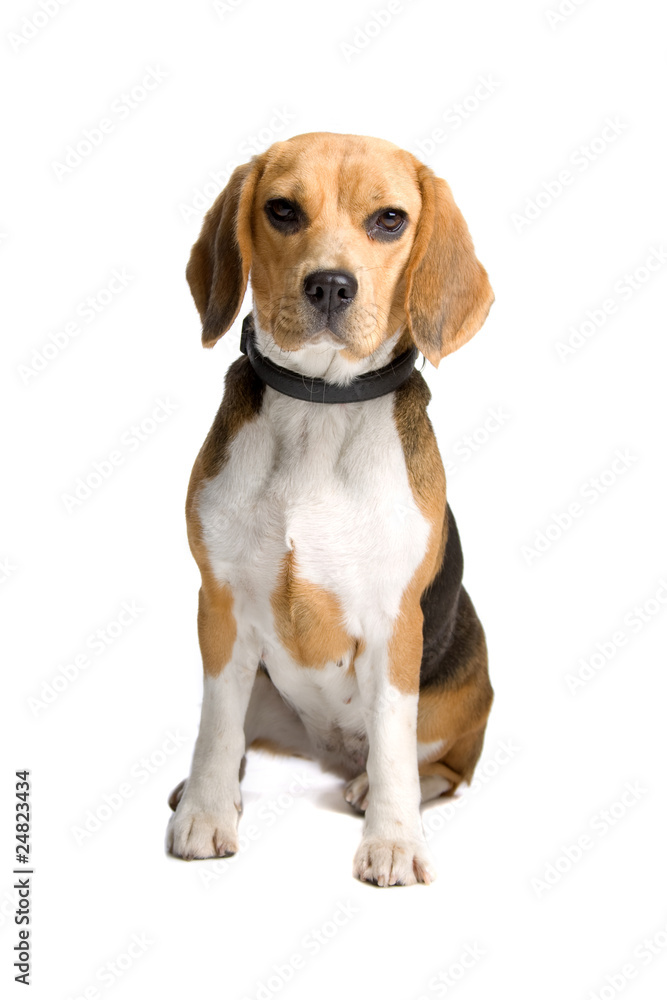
(332, 619)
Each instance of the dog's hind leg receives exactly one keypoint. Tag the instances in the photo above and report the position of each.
(452, 715)
(434, 780)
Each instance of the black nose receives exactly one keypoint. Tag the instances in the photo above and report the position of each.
(330, 290)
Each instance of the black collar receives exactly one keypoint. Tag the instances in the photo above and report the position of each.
(369, 385)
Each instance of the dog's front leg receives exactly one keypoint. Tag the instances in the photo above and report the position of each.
(393, 850)
(205, 822)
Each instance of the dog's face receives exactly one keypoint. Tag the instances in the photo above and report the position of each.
(347, 240)
(333, 223)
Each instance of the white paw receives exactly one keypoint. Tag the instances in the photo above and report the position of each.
(194, 832)
(393, 862)
(356, 792)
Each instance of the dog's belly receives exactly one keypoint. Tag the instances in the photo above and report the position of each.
(328, 704)
(313, 525)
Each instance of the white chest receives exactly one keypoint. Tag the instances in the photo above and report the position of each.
(329, 484)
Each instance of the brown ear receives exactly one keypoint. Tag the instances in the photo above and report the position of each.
(219, 264)
(448, 294)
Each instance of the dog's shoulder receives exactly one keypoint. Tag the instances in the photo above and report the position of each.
(420, 448)
(241, 402)
(449, 618)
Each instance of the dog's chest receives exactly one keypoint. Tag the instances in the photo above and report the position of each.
(313, 525)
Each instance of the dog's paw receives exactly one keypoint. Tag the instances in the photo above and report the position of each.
(196, 833)
(393, 862)
(356, 792)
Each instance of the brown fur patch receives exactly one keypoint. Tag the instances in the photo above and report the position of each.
(242, 402)
(448, 291)
(271, 746)
(308, 619)
(449, 714)
(219, 264)
(427, 482)
(457, 713)
(216, 623)
(359, 648)
(441, 771)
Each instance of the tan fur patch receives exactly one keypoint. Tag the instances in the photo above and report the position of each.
(242, 402)
(359, 648)
(427, 482)
(448, 291)
(215, 621)
(216, 625)
(441, 771)
(449, 714)
(457, 717)
(270, 746)
(217, 271)
(308, 619)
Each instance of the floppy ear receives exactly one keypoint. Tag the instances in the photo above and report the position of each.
(448, 294)
(219, 264)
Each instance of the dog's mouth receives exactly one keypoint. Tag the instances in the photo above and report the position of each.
(326, 338)
(296, 325)
(336, 328)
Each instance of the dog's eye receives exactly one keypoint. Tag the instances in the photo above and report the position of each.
(391, 220)
(282, 210)
(388, 222)
(282, 214)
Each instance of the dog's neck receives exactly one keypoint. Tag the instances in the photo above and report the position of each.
(324, 359)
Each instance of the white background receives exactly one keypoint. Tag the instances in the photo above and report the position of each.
(135, 203)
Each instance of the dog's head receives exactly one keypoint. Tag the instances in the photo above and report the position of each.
(347, 241)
